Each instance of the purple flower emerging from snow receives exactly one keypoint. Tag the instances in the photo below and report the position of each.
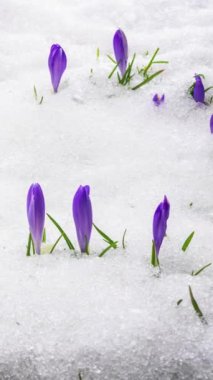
(82, 214)
(36, 214)
(211, 124)
(158, 100)
(160, 223)
(121, 50)
(57, 64)
(198, 90)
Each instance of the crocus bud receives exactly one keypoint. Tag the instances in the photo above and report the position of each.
(211, 124)
(57, 64)
(158, 100)
(161, 216)
(198, 90)
(36, 214)
(121, 50)
(82, 214)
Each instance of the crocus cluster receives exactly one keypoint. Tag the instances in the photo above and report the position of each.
(82, 214)
(120, 50)
(160, 218)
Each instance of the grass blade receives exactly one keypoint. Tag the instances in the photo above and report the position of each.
(29, 245)
(179, 302)
(44, 238)
(208, 88)
(105, 250)
(70, 245)
(201, 269)
(35, 92)
(164, 62)
(55, 244)
(123, 239)
(187, 241)
(106, 238)
(150, 62)
(97, 53)
(147, 80)
(111, 59)
(112, 72)
(195, 306)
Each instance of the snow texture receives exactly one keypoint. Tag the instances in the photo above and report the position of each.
(110, 318)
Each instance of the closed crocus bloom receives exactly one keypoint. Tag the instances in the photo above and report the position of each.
(57, 64)
(198, 91)
(121, 50)
(211, 124)
(36, 214)
(82, 214)
(158, 99)
(161, 216)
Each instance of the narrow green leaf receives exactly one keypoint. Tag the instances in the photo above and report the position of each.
(32, 243)
(41, 100)
(106, 238)
(80, 376)
(208, 88)
(154, 257)
(163, 62)
(35, 92)
(187, 241)
(55, 244)
(44, 238)
(98, 53)
(148, 79)
(105, 250)
(195, 306)
(112, 72)
(111, 59)
(29, 245)
(151, 61)
(200, 270)
(179, 302)
(123, 239)
(70, 245)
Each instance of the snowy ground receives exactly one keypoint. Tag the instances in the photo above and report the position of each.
(108, 318)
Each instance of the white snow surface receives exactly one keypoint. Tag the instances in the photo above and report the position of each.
(112, 317)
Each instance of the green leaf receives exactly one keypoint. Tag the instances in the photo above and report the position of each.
(97, 53)
(127, 75)
(29, 245)
(112, 243)
(111, 59)
(41, 100)
(44, 238)
(154, 257)
(179, 302)
(200, 270)
(112, 72)
(105, 250)
(55, 244)
(163, 62)
(195, 305)
(70, 245)
(123, 239)
(187, 241)
(35, 92)
(80, 376)
(148, 79)
(208, 88)
(151, 61)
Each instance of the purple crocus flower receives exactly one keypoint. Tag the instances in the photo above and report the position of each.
(57, 64)
(198, 90)
(36, 214)
(82, 214)
(160, 223)
(121, 50)
(211, 124)
(158, 100)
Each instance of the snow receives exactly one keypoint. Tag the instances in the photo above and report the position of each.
(110, 317)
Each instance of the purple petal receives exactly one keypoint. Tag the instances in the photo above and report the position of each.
(161, 216)
(120, 50)
(82, 214)
(198, 91)
(211, 124)
(36, 214)
(158, 100)
(57, 64)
